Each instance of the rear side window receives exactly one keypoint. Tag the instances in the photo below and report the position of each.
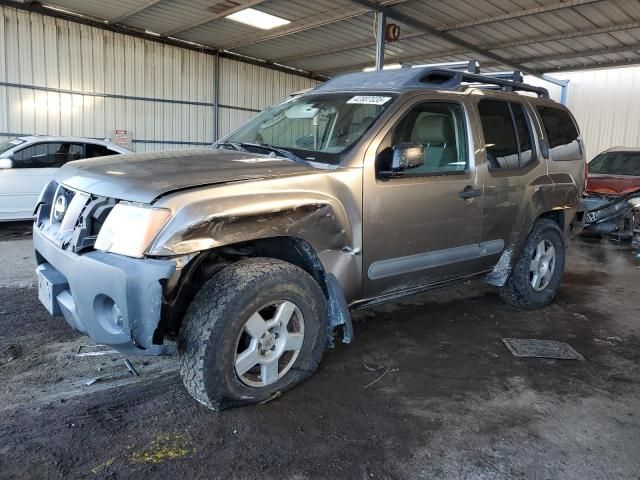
(507, 134)
(48, 155)
(562, 133)
(99, 151)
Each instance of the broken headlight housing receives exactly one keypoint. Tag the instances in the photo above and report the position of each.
(130, 228)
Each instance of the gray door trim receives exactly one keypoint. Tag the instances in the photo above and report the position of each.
(438, 258)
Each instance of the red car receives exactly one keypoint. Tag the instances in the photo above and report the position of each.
(615, 172)
(612, 196)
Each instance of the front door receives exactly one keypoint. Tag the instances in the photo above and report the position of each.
(424, 226)
(33, 167)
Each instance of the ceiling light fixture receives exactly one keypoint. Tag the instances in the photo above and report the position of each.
(258, 19)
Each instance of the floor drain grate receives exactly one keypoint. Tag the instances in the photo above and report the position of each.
(533, 348)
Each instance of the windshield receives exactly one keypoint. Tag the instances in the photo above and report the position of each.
(5, 146)
(316, 128)
(616, 163)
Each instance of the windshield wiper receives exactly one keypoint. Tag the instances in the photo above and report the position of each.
(277, 150)
(243, 147)
(234, 145)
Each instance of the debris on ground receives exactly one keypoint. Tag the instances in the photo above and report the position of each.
(608, 340)
(9, 353)
(388, 370)
(94, 350)
(129, 371)
(372, 368)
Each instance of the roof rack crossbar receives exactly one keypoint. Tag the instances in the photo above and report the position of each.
(514, 76)
(472, 66)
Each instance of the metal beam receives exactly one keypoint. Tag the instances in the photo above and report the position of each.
(135, 11)
(566, 35)
(302, 24)
(417, 24)
(458, 26)
(522, 13)
(596, 65)
(583, 54)
(214, 16)
(381, 22)
(491, 46)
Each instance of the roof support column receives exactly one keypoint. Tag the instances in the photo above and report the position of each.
(216, 96)
(381, 20)
(564, 86)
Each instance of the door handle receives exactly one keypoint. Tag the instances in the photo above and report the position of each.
(469, 192)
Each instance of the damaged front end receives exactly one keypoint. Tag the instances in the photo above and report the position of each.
(616, 216)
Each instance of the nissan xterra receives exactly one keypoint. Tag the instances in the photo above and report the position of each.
(248, 257)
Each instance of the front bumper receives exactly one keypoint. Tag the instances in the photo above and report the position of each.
(113, 299)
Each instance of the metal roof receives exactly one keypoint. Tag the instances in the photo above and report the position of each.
(328, 37)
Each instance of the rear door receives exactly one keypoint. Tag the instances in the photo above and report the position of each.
(417, 229)
(512, 167)
(34, 166)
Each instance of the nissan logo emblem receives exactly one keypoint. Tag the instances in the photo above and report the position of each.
(59, 207)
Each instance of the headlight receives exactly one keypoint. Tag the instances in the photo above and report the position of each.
(634, 202)
(129, 229)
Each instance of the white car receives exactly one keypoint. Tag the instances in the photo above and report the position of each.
(28, 163)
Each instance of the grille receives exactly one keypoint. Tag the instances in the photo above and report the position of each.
(71, 218)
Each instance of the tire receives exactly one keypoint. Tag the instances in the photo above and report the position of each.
(519, 290)
(215, 333)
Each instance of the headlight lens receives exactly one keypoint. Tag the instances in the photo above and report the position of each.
(130, 228)
(634, 202)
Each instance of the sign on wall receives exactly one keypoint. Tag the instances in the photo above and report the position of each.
(124, 138)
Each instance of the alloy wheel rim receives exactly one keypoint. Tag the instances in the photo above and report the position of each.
(542, 265)
(269, 343)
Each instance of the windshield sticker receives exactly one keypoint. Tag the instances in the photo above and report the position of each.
(369, 100)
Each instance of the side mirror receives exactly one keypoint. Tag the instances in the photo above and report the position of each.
(6, 163)
(404, 156)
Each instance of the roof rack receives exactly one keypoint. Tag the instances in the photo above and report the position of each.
(437, 77)
(472, 66)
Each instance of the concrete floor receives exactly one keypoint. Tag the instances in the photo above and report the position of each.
(454, 403)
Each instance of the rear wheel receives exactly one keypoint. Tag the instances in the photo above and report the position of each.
(254, 330)
(536, 275)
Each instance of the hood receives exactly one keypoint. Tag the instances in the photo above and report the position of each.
(612, 184)
(142, 177)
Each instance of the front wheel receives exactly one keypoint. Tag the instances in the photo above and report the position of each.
(536, 275)
(254, 330)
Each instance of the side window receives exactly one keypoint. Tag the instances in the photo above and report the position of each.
(507, 134)
(48, 155)
(562, 134)
(98, 151)
(440, 127)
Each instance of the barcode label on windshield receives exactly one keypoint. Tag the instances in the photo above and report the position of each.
(369, 100)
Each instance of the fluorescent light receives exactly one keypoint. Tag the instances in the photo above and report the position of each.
(391, 66)
(258, 19)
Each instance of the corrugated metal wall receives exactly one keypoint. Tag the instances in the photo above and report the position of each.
(606, 104)
(253, 88)
(63, 78)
